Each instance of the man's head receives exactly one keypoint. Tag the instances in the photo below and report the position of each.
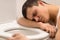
(35, 10)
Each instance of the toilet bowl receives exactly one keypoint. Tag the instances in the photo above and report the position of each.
(8, 29)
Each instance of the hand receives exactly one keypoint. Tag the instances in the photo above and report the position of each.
(18, 36)
(48, 28)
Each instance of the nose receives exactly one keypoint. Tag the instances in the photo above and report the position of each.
(36, 18)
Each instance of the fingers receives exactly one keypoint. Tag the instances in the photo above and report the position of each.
(20, 36)
(50, 29)
(47, 29)
(52, 32)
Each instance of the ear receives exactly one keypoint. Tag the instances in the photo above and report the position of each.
(41, 3)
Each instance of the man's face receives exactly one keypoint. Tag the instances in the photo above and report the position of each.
(38, 13)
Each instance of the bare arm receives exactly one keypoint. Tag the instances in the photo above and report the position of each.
(58, 32)
(28, 23)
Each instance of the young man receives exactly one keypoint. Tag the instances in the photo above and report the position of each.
(41, 15)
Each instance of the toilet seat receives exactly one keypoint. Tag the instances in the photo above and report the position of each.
(41, 34)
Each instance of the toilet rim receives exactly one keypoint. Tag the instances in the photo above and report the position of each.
(37, 36)
(41, 34)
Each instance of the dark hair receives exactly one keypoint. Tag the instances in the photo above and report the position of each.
(29, 3)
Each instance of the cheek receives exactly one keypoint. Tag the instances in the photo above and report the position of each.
(42, 12)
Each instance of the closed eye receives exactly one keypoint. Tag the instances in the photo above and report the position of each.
(34, 14)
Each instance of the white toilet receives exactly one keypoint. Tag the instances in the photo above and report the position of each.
(8, 29)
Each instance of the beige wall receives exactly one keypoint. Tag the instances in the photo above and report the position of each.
(56, 2)
(7, 10)
(10, 10)
(19, 7)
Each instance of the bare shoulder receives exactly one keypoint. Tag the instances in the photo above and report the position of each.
(59, 6)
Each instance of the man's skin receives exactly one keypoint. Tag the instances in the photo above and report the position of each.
(53, 11)
(18, 36)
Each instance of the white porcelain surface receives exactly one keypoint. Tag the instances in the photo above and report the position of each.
(31, 34)
(12, 27)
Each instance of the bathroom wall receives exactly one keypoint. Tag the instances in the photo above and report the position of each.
(56, 2)
(7, 10)
(10, 10)
(19, 7)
